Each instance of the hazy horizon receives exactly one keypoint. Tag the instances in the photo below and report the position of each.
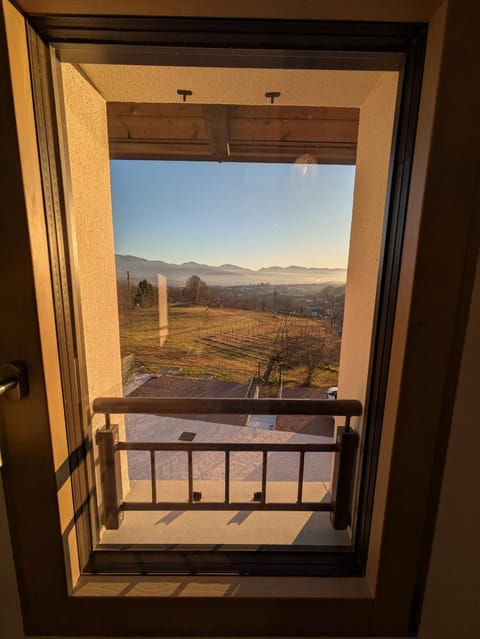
(265, 267)
(251, 215)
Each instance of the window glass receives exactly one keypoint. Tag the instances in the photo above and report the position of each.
(217, 240)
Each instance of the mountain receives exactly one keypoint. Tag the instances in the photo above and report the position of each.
(226, 274)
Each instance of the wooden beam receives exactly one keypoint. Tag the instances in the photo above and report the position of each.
(238, 133)
(216, 123)
(155, 109)
(294, 112)
(296, 130)
(146, 127)
(328, 154)
(158, 150)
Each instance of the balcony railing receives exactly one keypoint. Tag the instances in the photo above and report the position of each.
(344, 448)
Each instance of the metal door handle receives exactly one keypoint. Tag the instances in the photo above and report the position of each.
(7, 385)
(13, 381)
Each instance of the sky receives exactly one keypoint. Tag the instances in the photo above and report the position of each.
(249, 214)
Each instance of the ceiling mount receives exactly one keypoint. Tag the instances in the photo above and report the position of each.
(272, 95)
(184, 93)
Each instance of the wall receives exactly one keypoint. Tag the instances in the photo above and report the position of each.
(371, 177)
(452, 593)
(92, 231)
(90, 204)
(373, 156)
(312, 87)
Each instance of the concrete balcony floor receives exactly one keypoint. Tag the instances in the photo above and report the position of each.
(213, 528)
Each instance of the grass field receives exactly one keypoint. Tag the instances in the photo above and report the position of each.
(226, 344)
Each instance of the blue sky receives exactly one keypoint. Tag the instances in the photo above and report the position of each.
(252, 215)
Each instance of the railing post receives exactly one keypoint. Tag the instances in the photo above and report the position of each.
(110, 476)
(343, 476)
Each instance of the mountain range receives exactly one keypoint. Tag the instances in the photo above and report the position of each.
(226, 274)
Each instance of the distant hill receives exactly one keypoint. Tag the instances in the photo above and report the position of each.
(226, 274)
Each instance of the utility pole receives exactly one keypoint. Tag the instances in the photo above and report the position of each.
(128, 291)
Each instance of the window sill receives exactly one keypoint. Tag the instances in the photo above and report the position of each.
(223, 587)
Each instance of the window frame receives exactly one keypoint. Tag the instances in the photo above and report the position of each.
(309, 609)
(163, 41)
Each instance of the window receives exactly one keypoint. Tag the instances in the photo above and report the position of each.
(272, 161)
(225, 607)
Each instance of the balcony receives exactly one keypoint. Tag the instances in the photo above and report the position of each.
(203, 484)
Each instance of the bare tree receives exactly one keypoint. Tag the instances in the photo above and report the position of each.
(124, 296)
(196, 291)
(283, 351)
(311, 354)
(306, 344)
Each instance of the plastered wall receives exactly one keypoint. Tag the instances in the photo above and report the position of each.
(371, 177)
(312, 87)
(91, 209)
(373, 155)
(86, 121)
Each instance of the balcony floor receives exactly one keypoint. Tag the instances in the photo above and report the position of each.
(226, 527)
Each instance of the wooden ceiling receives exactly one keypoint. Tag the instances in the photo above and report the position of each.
(218, 132)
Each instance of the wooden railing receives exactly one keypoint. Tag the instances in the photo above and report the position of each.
(344, 448)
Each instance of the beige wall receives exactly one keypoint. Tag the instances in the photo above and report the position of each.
(371, 176)
(92, 235)
(86, 120)
(373, 156)
(313, 87)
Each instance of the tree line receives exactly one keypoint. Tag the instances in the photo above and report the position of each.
(144, 294)
(326, 304)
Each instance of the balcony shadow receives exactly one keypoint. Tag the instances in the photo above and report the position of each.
(170, 517)
(239, 517)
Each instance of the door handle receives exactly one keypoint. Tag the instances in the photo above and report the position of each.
(13, 381)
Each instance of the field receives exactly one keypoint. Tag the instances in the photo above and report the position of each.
(225, 344)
